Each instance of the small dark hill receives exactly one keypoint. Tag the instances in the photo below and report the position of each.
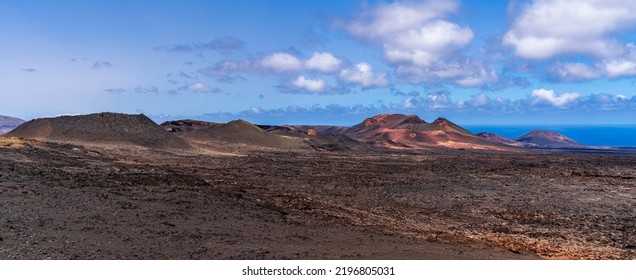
(549, 139)
(9, 123)
(102, 128)
(234, 132)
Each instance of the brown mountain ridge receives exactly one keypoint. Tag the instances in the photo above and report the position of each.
(380, 132)
(100, 128)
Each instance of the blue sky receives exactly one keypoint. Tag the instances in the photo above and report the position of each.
(322, 62)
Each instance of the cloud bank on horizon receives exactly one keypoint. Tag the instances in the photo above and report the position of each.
(535, 61)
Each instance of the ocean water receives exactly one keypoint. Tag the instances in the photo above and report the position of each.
(592, 135)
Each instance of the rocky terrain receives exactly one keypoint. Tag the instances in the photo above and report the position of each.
(223, 198)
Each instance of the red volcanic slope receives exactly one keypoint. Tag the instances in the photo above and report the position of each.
(407, 132)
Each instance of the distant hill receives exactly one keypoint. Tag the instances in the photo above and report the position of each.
(321, 129)
(319, 137)
(9, 123)
(549, 139)
(234, 132)
(187, 125)
(100, 128)
(505, 141)
(409, 132)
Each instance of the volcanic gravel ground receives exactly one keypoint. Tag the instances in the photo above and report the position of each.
(62, 201)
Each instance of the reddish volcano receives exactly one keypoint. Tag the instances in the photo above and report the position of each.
(409, 132)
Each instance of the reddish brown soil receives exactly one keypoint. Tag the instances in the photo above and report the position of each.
(62, 201)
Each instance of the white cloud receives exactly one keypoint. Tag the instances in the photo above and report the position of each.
(385, 20)
(323, 62)
(571, 72)
(479, 100)
(613, 68)
(425, 44)
(439, 100)
(551, 98)
(278, 62)
(281, 62)
(317, 85)
(620, 68)
(421, 42)
(548, 28)
(467, 73)
(363, 75)
(199, 87)
(413, 33)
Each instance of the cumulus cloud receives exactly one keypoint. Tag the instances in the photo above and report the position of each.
(438, 100)
(612, 68)
(545, 96)
(221, 44)
(466, 73)
(620, 67)
(323, 62)
(422, 44)
(554, 29)
(199, 87)
(311, 85)
(547, 28)
(286, 64)
(607, 102)
(574, 72)
(425, 44)
(280, 62)
(362, 74)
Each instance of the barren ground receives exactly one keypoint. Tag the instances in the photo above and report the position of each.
(60, 201)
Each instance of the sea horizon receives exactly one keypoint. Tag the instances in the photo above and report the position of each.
(611, 135)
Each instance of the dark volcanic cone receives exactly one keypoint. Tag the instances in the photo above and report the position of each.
(549, 139)
(103, 128)
(234, 132)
